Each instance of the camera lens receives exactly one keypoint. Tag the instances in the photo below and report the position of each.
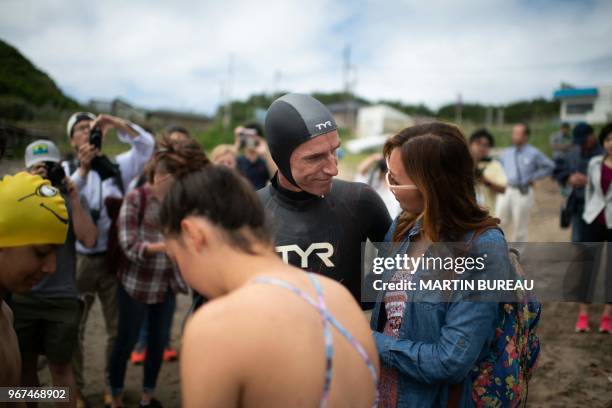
(55, 174)
(95, 137)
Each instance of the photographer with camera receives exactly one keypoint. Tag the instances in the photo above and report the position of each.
(47, 318)
(100, 181)
(255, 163)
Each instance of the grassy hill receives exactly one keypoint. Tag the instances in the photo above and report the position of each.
(26, 92)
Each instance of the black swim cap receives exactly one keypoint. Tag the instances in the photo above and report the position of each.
(291, 120)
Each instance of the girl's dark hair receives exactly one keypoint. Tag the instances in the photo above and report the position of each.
(604, 133)
(437, 159)
(224, 198)
(176, 157)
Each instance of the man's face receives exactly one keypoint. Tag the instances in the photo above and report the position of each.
(80, 133)
(590, 142)
(480, 148)
(177, 136)
(227, 160)
(519, 134)
(314, 163)
(24, 266)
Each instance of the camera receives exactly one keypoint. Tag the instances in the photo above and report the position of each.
(95, 137)
(480, 167)
(55, 174)
(248, 138)
(105, 167)
(102, 164)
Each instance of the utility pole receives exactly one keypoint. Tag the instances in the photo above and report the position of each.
(459, 109)
(500, 116)
(277, 79)
(222, 103)
(489, 116)
(346, 69)
(227, 112)
(346, 79)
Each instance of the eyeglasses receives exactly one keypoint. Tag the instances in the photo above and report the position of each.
(81, 128)
(161, 179)
(399, 186)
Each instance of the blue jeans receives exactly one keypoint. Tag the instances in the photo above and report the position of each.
(141, 345)
(131, 316)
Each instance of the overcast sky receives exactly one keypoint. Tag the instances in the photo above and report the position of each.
(177, 54)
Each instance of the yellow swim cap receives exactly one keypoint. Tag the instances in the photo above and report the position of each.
(31, 212)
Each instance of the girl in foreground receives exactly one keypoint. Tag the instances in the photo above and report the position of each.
(272, 335)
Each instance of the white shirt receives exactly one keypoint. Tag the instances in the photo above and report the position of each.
(383, 191)
(595, 201)
(95, 191)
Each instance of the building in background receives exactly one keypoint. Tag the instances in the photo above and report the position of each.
(345, 113)
(118, 107)
(379, 120)
(592, 105)
(155, 119)
(194, 122)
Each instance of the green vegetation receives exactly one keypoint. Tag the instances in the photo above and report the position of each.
(534, 110)
(27, 93)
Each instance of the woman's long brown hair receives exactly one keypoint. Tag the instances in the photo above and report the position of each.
(437, 159)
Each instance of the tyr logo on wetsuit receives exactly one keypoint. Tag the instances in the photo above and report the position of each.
(325, 255)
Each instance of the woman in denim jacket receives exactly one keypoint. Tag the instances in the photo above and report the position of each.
(428, 346)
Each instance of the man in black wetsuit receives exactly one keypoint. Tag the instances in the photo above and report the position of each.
(319, 223)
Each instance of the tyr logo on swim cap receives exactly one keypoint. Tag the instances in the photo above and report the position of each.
(291, 120)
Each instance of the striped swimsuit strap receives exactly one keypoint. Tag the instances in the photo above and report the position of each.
(328, 320)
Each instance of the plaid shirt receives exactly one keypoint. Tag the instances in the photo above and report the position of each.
(147, 277)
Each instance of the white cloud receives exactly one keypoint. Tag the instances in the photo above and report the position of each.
(491, 51)
(176, 54)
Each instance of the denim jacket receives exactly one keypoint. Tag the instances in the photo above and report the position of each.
(439, 343)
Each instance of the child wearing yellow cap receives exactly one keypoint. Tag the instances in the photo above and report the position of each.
(33, 220)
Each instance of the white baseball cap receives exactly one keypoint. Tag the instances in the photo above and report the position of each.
(41, 151)
(77, 117)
